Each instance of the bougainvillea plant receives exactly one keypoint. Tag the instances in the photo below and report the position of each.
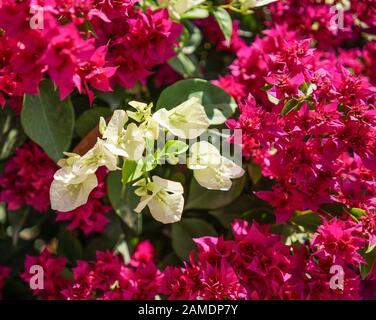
(195, 150)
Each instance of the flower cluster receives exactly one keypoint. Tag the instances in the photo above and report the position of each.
(310, 123)
(107, 278)
(134, 143)
(82, 45)
(257, 265)
(254, 265)
(53, 280)
(330, 23)
(27, 178)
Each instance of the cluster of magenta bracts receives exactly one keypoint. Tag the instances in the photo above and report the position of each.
(318, 144)
(120, 47)
(254, 265)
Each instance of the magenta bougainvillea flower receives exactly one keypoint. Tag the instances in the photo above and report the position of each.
(27, 178)
(53, 280)
(123, 47)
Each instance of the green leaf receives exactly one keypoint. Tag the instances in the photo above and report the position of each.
(254, 171)
(218, 104)
(192, 38)
(48, 121)
(202, 198)
(246, 206)
(115, 99)
(334, 208)
(124, 200)
(309, 222)
(11, 131)
(290, 105)
(170, 152)
(370, 258)
(174, 147)
(185, 230)
(224, 21)
(90, 119)
(132, 170)
(357, 212)
(183, 65)
(68, 245)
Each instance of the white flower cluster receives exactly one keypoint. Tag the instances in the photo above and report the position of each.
(76, 179)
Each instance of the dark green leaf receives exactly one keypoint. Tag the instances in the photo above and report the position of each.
(68, 245)
(370, 258)
(224, 21)
(48, 121)
(202, 198)
(309, 222)
(219, 105)
(90, 119)
(185, 230)
(193, 38)
(290, 105)
(124, 200)
(183, 65)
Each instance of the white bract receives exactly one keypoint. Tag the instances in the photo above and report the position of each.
(76, 179)
(163, 197)
(210, 169)
(69, 190)
(128, 143)
(113, 133)
(142, 113)
(98, 156)
(68, 196)
(187, 121)
(134, 142)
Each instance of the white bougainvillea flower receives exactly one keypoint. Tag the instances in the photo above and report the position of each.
(133, 142)
(150, 129)
(163, 197)
(66, 174)
(177, 8)
(69, 196)
(210, 169)
(114, 132)
(142, 113)
(96, 157)
(187, 121)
